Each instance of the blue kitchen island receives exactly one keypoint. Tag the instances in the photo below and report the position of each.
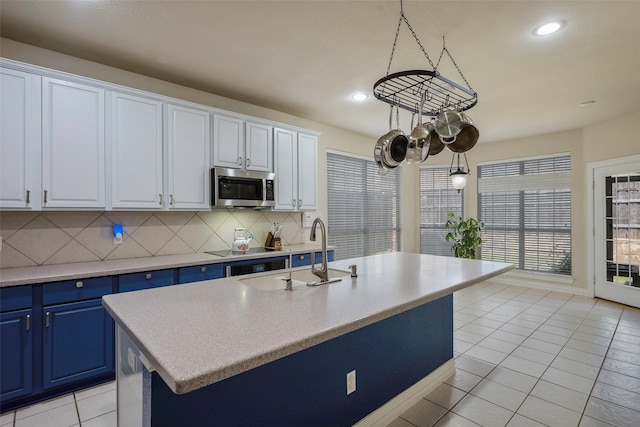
(242, 351)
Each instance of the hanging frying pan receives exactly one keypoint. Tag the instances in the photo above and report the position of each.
(467, 138)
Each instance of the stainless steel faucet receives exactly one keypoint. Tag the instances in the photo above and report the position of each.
(323, 272)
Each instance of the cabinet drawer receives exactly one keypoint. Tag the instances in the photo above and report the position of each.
(200, 272)
(76, 290)
(15, 298)
(146, 280)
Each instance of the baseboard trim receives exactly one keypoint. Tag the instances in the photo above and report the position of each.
(405, 400)
(532, 282)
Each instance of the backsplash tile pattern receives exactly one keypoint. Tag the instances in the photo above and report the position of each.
(44, 238)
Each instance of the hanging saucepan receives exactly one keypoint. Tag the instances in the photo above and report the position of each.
(448, 125)
(467, 137)
(435, 145)
(377, 150)
(394, 146)
(419, 140)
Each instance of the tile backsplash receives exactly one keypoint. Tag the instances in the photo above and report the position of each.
(44, 238)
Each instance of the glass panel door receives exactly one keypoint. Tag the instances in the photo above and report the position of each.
(617, 233)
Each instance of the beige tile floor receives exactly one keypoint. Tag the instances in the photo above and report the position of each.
(524, 357)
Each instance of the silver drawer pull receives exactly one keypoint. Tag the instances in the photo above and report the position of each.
(45, 196)
(47, 319)
(28, 196)
(148, 276)
(28, 322)
(203, 269)
(79, 284)
(172, 201)
(160, 195)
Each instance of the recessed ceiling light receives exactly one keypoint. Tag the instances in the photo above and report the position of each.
(359, 96)
(548, 28)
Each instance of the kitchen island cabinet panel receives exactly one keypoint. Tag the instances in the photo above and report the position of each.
(308, 388)
(77, 342)
(300, 260)
(73, 145)
(16, 354)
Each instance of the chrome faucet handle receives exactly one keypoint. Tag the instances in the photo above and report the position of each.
(354, 270)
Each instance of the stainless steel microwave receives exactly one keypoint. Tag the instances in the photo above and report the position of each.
(241, 188)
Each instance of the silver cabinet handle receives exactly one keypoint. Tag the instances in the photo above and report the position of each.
(299, 202)
(47, 319)
(203, 269)
(160, 194)
(248, 162)
(148, 276)
(79, 284)
(28, 196)
(45, 196)
(293, 203)
(239, 161)
(171, 200)
(28, 322)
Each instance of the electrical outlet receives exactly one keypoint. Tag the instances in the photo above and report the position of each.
(351, 382)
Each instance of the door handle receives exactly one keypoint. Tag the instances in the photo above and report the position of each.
(28, 196)
(28, 322)
(148, 276)
(248, 162)
(79, 284)
(45, 196)
(47, 319)
(172, 201)
(203, 269)
(239, 161)
(160, 194)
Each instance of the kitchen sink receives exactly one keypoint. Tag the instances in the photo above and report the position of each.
(277, 281)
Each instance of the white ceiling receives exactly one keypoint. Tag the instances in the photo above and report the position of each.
(305, 58)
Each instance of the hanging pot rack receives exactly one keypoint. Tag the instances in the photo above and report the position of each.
(407, 89)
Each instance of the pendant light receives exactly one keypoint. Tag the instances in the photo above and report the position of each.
(459, 177)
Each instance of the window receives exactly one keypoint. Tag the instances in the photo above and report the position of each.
(526, 208)
(437, 199)
(364, 207)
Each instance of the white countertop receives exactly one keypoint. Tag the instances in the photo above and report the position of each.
(82, 270)
(200, 333)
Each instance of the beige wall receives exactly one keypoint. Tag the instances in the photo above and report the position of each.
(610, 139)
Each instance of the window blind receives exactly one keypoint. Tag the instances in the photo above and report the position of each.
(363, 207)
(437, 199)
(526, 208)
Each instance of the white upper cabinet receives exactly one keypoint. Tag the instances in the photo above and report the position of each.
(19, 140)
(296, 170)
(228, 142)
(136, 152)
(307, 172)
(188, 143)
(242, 145)
(73, 145)
(259, 147)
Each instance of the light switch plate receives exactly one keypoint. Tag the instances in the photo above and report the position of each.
(309, 217)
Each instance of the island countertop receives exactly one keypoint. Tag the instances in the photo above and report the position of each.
(200, 333)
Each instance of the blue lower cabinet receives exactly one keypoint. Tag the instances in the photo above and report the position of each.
(16, 353)
(145, 280)
(77, 342)
(300, 260)
(200, 272)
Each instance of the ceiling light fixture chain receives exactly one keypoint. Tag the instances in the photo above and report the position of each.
(404, 89)
(444, 49)
(415, 36)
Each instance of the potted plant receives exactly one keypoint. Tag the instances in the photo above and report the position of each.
(465, 234)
